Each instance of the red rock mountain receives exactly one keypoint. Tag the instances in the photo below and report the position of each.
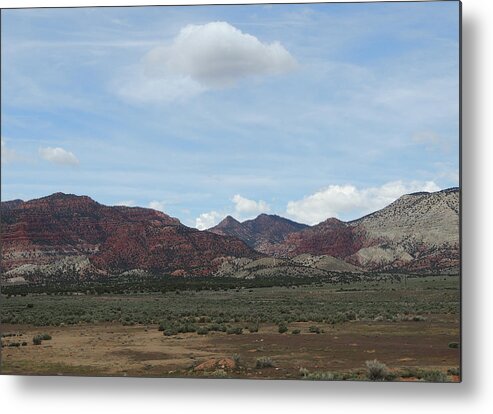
(66, 231)
(261, 233)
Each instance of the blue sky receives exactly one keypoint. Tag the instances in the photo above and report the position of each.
(307, 111)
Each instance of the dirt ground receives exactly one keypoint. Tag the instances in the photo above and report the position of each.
(110, 349)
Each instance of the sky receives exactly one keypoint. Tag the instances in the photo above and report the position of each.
(308, 111)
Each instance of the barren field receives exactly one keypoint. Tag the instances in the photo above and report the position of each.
(413, 346)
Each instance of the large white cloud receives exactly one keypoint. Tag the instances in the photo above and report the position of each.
(202, 57)
(348, 201)
(245, 207)
(207, 220)
(58, 156)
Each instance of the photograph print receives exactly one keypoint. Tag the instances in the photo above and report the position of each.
(260, 191)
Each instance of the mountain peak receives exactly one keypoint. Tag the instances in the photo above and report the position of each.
(228, 221)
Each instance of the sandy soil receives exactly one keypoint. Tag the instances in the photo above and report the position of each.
(107, 349)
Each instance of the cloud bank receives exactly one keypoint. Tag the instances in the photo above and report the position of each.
(343, 201)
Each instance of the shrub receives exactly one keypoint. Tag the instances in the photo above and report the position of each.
(236, 359)
(254, 328)
(295, 331)
(202, 330)
(24, 343)
(234, 331)
(314, 329)
(264, 362)
(282, 328)
(37, 340)
(45, 337)
(320, 376)
(453, 371)
(304, 372)
(453, 345)
(219, 373)
(376, 371)
(170, 332)
(434, 376)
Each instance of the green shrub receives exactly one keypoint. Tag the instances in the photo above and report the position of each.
(170, 332)
(320, 376)
(453, 345)
(45, 337)
(37, 340)
(434, 376)
(453, 371)
(314, 329)
(202, 330)
(295, 331)
(236, 359)
(234, 331)
(282, 328)
(376, 371)
(264, 362)
(254, 327)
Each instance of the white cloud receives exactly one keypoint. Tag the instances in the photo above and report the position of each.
(246, 207)
(126, 203)
(8, 155)
(348, 201)
(58, 156)
(157, 205)
(202, 57)
(207, 220)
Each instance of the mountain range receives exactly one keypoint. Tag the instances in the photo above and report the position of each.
(67, 236)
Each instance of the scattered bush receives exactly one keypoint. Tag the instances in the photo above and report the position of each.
(314, 329)
(434, 376)
(295, 331)
(304, 372)
(170, 332)
(376, 371)
(453, 345)
(453, 371)
(221, 373)
(37, 340)
(236, 359)
(264, 362)
(202, 330)
(282, 328)
(234, 331)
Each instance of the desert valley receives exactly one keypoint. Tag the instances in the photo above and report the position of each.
(94, 289)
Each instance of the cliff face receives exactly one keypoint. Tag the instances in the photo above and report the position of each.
(64, 234)
(48, 231)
